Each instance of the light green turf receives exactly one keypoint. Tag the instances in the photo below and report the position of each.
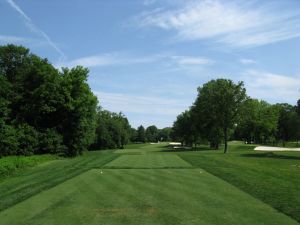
(143, 197)
(148, 161)
(142, 148)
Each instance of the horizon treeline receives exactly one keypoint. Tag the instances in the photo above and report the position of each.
(222, 111)
(46, 110)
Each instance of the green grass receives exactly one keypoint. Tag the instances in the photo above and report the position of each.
(151, 185)
(13, 164)
(148, 161)
(273, 178)
(144, 196)
(44, 176)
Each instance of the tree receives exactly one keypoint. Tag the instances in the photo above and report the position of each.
(112, 130)
(219, 102)
(151, 133)
(141, 136)
(257, 121)
(165, 134)
(42, 108)
(285, 122)
(183, 129)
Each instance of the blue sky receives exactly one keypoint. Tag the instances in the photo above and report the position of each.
(147, 57)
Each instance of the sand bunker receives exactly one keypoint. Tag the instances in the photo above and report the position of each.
(273, 149)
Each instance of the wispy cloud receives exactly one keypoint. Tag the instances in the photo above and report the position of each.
(149, 2)
(108, 59)
(140, 104)
(247, 61)
(117, 58)
(160, 108)
(234, 23)
(272, 87)
(36, 29)
(6, 39)
(13, 39)
(191, 60)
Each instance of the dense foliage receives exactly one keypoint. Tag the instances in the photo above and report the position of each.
(222, 111)
(46, 110)
(112, 131)
(151, 134)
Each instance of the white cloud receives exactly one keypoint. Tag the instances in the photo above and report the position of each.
(272, 87)
(190, 60)
(36, 29)
(13, 39)
(117, 58)
(6, 39)
(145, 110)
(109, 59)
(149, 2)
(141, 104)
(247, 61)
(234, 23)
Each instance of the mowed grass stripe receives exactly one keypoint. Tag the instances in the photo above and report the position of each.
(160, 196)
(273, 178)
(33, 181)
(148, 161)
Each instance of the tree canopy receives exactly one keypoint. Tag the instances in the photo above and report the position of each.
(46, 110)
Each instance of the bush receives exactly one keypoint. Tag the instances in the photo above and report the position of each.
(11, 164)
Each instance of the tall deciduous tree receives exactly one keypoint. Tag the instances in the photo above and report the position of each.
(141, 136)
(219, 102)
(151, 133)
(183, 128)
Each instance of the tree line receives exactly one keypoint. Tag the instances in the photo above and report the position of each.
(223, 111)
(151, 134)
(46, 110)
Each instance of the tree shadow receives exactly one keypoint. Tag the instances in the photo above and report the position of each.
(270, 155)
(197, 149)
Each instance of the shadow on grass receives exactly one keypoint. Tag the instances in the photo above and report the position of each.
(270, 155)
(197, 149)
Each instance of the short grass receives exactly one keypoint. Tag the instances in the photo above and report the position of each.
(148, 161)
(44, 176)
(273, 178)
(150, 184)
(143, 196)
(141, 148)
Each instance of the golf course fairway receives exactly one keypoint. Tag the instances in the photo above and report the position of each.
(139, 187)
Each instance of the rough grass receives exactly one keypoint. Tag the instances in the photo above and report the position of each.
(273, 178)
(144, 196)
(12, 164)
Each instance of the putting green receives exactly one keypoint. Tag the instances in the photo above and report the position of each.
(148, 161)
(143, 196)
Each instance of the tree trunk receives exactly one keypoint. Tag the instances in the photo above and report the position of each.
(225, 139)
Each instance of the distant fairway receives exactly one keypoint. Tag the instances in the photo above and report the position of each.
(148, 161)
(149, 188)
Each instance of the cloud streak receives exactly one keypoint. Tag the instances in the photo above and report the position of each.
(272, 87)
(247, 61)
(162, 110)
(13, 39)
(118, 59)
(36, 29)
(234, 23)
